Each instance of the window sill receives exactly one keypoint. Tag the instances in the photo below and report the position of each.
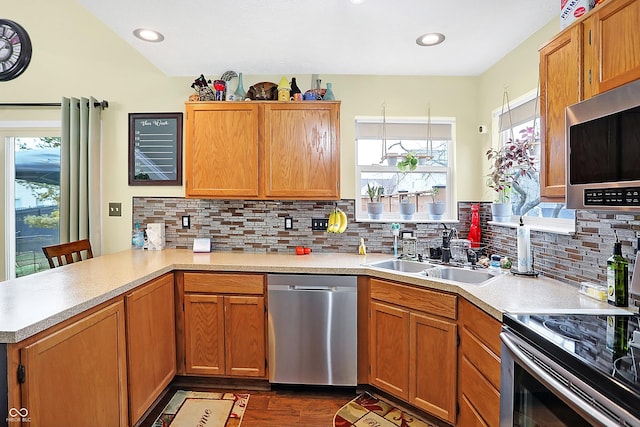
(404, 221)
(561, 229)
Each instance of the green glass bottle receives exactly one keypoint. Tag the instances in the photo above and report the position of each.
(617, 277)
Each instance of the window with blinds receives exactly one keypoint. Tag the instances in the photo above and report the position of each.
(383, 144)
(516, 123)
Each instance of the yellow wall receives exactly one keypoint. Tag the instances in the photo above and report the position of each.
(75, 55)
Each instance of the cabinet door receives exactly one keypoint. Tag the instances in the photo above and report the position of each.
(78, 375)
(302, 154)
(614, 40)
(560, 86)
(151, 343)
(433, 366)
(389, 340)
(204, 334)
(245, 336)
(221, 150)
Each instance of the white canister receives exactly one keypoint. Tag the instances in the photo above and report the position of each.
(155, 236)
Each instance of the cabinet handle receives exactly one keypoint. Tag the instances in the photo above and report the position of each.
(589, 76)
(589, 37)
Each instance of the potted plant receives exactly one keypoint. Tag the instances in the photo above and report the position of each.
(374, 206)
(508, 164)
(407, 208)
(436, 208)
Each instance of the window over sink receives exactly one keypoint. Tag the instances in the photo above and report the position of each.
(383, 143)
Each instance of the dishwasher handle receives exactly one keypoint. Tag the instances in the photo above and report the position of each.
(322, 288)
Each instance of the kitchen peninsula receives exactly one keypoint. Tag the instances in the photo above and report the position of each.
(112, 295)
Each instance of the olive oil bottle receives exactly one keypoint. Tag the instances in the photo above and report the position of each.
(617, 277)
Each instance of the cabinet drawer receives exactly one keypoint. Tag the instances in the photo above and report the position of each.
(224, 283)
(480, 324)
(425, 300)
(480, 356)
(481, 395)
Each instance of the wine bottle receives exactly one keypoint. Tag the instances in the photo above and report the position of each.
(617, 277)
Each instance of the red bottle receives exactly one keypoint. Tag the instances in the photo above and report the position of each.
(474, 230)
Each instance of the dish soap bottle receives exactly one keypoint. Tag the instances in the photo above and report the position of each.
(362, 250)
(617, 277)
(138, 237)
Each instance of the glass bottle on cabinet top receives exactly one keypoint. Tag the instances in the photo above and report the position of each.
(240, 94)
(328, 95)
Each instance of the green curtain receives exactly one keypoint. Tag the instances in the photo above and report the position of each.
(80, 185)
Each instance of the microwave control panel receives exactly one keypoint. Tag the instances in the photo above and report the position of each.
(627, 196)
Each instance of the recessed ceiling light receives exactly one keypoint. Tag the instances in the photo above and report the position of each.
(148, 35)
(430, 39)
(357, 1)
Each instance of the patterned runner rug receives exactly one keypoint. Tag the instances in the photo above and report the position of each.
(197, 408)
(367, 410)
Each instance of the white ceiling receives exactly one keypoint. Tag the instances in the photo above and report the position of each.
(325, 37)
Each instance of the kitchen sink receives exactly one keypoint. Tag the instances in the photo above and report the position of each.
(455, 274)
(463, 275)
(402, 265)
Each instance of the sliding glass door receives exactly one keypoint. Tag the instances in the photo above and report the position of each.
(33, 194)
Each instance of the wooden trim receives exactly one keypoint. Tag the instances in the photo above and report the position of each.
(363, 329)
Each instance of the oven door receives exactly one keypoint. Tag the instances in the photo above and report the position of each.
(535, 390)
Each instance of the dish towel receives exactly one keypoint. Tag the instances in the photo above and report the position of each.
(433, 272)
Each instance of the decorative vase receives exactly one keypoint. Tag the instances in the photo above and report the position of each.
(407, 210)
(328, 95)
(375, 209)
(436, 210)
(240, 94)
(501, 212)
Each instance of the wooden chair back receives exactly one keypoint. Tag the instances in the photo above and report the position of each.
(67, 253)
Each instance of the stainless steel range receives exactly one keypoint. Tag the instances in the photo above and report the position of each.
(570, 370)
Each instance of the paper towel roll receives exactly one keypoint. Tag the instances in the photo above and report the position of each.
(524, 248)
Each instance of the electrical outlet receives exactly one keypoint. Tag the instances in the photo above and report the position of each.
(319, 224)
(186, 221)
(288, 223)
(115, 209)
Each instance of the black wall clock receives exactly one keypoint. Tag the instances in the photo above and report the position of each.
(15, 50)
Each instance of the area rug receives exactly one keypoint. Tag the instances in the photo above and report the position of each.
(367, 410)
(198, 408)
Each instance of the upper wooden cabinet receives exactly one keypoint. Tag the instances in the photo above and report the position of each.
(593, 55)
(222, 150)
(263, 150)
(612, 46)
(560, 86)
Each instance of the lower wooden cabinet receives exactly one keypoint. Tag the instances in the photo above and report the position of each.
(78, 375)
(151, 342)
(224, 324)
(413, 346)
(479, 367)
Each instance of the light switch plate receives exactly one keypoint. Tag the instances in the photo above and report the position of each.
(115, 209)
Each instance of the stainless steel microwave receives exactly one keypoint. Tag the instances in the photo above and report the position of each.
(603, 151)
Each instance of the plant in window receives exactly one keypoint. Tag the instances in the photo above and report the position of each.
(508, 164)
(436, 208)
(375, 207)
(410, 161)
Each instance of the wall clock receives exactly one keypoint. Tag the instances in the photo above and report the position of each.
(15, 50)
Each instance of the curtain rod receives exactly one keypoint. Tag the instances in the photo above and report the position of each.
(103, 104)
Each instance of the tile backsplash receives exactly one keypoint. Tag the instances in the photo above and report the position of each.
(249, 225)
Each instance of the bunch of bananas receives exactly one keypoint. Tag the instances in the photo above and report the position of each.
(337, 221)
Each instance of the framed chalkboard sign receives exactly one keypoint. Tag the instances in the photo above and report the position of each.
(155, 148)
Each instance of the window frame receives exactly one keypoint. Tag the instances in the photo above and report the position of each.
(420, 217)
(552, 225)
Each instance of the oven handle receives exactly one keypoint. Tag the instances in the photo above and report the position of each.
(575, 401)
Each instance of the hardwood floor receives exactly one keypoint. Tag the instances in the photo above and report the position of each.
(279, 407)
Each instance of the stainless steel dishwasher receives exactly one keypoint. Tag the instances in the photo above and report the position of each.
(313, 329)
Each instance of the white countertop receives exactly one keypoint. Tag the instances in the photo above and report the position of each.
(34, 303)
